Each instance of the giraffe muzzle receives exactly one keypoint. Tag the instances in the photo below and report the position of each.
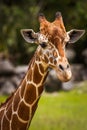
(64, 76)
(64, 73)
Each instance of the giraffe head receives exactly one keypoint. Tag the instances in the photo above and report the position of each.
(52, 40)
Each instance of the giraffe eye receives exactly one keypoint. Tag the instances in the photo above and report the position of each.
(43, 44)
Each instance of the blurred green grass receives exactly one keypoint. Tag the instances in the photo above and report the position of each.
(61, 111)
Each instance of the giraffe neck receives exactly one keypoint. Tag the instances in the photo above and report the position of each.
(18, 110)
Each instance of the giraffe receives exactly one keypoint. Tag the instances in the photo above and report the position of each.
(18, 110)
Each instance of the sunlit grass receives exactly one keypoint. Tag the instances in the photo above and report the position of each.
(63, 111)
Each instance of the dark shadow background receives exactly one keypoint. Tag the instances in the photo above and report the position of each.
(15, 15)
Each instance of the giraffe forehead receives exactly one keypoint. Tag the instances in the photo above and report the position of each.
(52, 27)
(55, 34)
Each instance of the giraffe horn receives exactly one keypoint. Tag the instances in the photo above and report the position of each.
(58, 15)
(41, 17)
(58, 18)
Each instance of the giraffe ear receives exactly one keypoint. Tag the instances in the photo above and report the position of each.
(75, 35)
(29, 35)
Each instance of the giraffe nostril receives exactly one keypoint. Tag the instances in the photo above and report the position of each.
(61, 67)
(67, 66)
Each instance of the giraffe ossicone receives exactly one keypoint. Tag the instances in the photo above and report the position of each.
(17, 112)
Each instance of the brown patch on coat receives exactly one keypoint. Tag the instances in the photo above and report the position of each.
(36, 75)
(23, 111)
(17, 125)
(30, 94)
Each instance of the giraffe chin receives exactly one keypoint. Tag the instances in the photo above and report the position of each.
(65, 76)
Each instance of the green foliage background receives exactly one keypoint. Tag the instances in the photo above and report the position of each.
(15, 15)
